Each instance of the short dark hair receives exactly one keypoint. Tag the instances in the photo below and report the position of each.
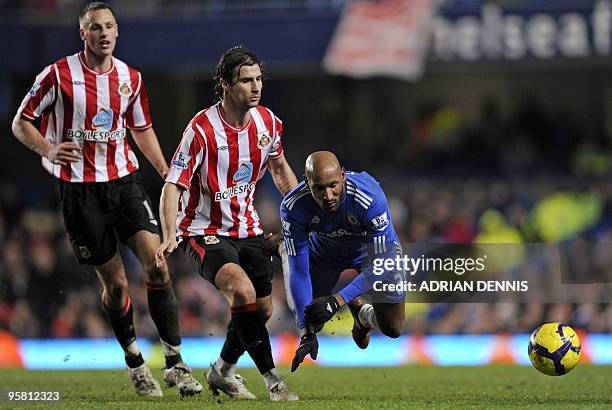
(230, 64)
(95, 5)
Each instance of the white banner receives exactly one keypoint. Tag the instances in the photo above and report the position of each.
(381, 38)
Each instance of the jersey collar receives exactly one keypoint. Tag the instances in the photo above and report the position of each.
(82, 61)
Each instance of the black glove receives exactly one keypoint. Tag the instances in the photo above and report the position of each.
(270, 244)
(321, 310)
(308, 345)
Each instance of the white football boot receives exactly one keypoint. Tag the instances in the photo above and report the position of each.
(144, 382)
(232, 385)
(180, 375)
(280, 392)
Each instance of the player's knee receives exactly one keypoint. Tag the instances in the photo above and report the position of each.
(241, 294)
(157, 275)
(393, 329)
(265, 311)
(116, 290)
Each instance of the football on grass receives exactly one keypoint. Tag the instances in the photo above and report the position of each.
(554, 349)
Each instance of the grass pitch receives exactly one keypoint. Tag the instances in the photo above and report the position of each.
(503, 386)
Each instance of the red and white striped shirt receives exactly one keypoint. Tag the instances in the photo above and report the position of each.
(93, 109)
(219, 166)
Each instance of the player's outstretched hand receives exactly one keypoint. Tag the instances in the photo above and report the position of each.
(309, 345)
(270, 244)
(166, 248)
(64, 153)
(321, 310)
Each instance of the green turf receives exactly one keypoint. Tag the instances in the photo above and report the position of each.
(341, 388)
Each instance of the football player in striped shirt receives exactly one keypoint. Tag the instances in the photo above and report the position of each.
(333, 221)
(207, 202)
(86, 102)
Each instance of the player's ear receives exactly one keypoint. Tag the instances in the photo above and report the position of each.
(82, 33)
(342, 174)
(116, 30)
(224, 85)
(306, 181)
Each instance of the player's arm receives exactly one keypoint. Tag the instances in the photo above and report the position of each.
(279, 168)
(168, 212)
(147, 142)
(140, 125)
(282, 174)
(40, 98)
(184, 165)
(296, 247)
(28, 135)
(300, 286)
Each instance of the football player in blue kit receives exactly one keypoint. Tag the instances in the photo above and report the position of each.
(336, 220)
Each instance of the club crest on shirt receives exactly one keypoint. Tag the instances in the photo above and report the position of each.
(211, 240)
(125, 89)
(103, 119)
(263, 139)
(181, 160)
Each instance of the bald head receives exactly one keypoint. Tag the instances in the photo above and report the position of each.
(325, 178)
(321, 162)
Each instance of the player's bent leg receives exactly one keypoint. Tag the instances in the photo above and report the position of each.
(117, 305)
(360, 331)
(114, 282)
(163, 308)
(233, 349)
(235, 284)
(221, 376)
(264, 307)
(390, 318)
(144, 244)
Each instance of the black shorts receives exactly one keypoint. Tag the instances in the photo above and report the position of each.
(211, 252)
(96, 213)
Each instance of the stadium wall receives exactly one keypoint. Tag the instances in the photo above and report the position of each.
(442, 350)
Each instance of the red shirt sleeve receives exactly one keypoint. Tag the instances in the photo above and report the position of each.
(187, 158)
(137, 113)
(41, 96)
(277, 147)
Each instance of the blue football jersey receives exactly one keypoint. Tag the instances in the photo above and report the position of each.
(360, 228)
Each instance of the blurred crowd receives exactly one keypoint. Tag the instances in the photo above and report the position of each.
(481, 187)
(144, 8)
(45, 293)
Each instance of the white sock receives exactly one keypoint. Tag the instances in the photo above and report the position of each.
(170, 350)
(271, 378)
(133, 349)
(367, 316)
(224, 368)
